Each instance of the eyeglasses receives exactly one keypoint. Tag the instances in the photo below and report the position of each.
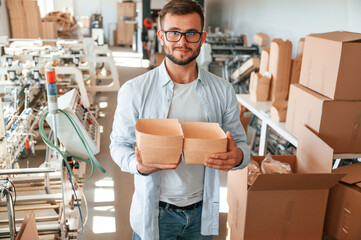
(175, 36)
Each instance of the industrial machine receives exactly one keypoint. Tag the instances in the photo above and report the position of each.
(31, 78)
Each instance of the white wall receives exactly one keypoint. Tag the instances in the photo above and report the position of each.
(293, 19)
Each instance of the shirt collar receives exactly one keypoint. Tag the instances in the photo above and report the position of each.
(165, 79)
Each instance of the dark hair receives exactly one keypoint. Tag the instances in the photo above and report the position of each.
(181, 7)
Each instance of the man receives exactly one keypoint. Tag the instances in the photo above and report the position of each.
(177, 201)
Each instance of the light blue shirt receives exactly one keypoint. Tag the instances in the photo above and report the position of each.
(150, 96)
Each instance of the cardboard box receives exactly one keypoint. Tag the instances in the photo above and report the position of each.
(248, 66)
(19, 27)
(279, 110)
(244, 116)
(283, 206)
(159, 140)
(201, 140)
(125, 33)
(28, 229)
(263, 67)
(279, 67)
(261, 39)
(49, 31)
(126, 9)
(301, 45)
(338, 123)
(115, 40)
(295, 70)
(343, 215)
(259, 86)
(330, 65)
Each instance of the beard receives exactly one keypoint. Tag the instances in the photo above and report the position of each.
(182, 61)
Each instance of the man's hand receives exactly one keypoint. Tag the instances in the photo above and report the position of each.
(226, 161)
(151, 168)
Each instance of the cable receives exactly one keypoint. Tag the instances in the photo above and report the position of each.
(14, 190)
(93, 161)
(77, 202)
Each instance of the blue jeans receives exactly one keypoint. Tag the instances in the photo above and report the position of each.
(179, 225)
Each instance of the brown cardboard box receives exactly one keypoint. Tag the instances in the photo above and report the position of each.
(283, 206)
(259, 86)
(338, 123)
(115, 40)
(244, 116)
(279, 110)
(248, 66)
(279, 67)
(343, 215)
(49, 30)
(28, 229)
(261, 39)
(295, 70)
(331, 65)
(159, 140)
(33, 18)
(201, 140)
(125, 33)
(343, 211)
(263, 67)
(126, 9)
(301, 46)
(19, 28)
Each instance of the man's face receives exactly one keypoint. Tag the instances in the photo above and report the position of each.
(181, 52)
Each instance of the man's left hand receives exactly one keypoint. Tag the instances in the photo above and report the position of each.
(226, 161)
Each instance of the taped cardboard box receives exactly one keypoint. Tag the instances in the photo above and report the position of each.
(201, 140)
(259, 86)
(279, 110)
(331, 65)
(159, 140)
(263, 67)
(343, 215)
(338, 123)
(284, 206)
(279, 67)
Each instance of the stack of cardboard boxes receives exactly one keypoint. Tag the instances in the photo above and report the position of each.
(33, 18)
(324, 115)
(277, 70)
(125, 31)
(25, 19)
(19, 27)
(328, 98)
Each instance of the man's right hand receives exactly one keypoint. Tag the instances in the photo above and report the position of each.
(151, 168)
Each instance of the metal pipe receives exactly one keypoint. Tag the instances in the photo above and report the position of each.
(11, 214)
(26, 171)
